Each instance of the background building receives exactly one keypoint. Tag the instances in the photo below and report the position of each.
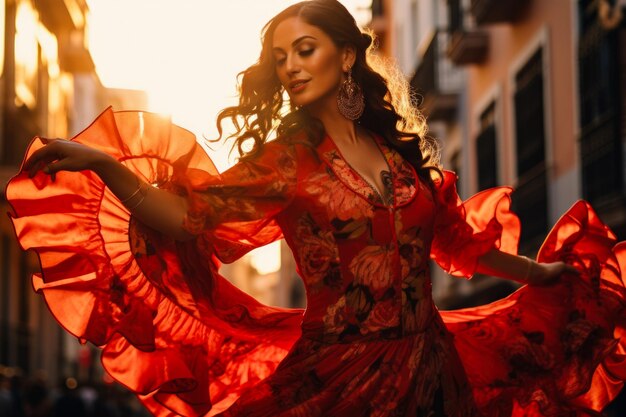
(48, 87)
(523, 93)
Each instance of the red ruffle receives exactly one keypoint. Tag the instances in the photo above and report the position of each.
(464, 231)
(172, 329)
(544, 350)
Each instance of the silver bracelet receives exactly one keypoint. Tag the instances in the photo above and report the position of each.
(127, 199)
(529, 267)
(143, 193)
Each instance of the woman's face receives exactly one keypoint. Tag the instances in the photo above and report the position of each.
(308, 64)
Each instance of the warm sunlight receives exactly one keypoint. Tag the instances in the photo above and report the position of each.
(186, 55)
(26, 54)
(2, 29)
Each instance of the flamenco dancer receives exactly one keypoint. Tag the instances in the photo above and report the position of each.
(131, 221)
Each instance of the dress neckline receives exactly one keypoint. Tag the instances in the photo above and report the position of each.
(385, 196)
(402, 182)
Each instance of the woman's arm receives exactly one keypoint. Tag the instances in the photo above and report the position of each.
(522, 269)
(159, 209)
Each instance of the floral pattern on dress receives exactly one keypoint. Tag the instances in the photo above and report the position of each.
(330, 193)
(370, 303)
(383, 316)
(372, 267)
(357, 312)
(337, 316)
(318, 255)
(351, 178)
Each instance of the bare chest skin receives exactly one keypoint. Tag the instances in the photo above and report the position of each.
(366, 158)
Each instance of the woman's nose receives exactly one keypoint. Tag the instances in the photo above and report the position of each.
(292, 64)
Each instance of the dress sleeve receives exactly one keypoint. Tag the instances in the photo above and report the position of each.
(235, 210)
(464, 231)
(171, 328)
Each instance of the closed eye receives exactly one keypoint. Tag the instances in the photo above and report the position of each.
(303, 53)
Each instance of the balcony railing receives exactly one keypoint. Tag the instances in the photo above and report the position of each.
(466, 46)
(601, 162)
(601, 69)
(497, 11)
(437, 80)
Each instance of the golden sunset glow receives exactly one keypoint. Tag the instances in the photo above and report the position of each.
(186, 54)
(26, 53)
(2, 30)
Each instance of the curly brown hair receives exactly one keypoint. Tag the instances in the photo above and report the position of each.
(389, 108)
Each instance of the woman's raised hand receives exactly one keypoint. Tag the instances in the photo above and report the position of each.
(159, 209)
(522, 269)
(549, 273)
(63, 155)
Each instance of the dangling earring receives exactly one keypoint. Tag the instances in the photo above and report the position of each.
(350, 99)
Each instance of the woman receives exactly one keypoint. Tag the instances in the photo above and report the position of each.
(357, 193)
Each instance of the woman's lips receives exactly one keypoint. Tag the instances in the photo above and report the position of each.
(297, 86)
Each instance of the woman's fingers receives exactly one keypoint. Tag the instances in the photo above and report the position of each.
(550, 273)
(42, 157)
(39, 160)
(35, 164)
(54, 167)
(61, 155)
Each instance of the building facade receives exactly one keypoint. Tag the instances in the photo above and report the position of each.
(42, 51)
(48, 87)
(525, 93)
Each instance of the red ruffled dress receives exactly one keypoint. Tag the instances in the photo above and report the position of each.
(370, 342)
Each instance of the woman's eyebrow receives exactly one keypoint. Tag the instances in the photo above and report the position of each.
(297, 41)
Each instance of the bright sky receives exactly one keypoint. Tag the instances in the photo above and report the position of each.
(186, 55)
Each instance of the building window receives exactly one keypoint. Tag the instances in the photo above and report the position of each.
(455, 16)
(600, 145)
(531, 197)
(486, 149)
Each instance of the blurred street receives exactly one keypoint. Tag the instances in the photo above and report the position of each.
(526, 93)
